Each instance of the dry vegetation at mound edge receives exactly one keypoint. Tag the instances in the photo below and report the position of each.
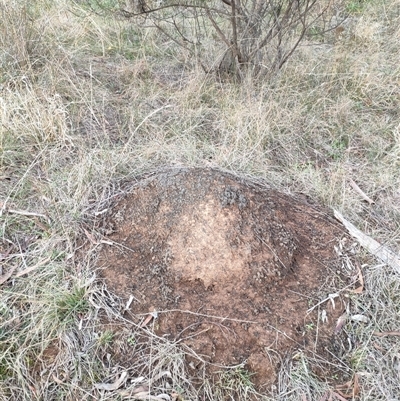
(89, 103)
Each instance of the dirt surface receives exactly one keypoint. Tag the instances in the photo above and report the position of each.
(230, 266)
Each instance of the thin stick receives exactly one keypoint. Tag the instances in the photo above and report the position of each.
(386, 333)
(374, 247)
(29, 269)
(361, 192)
(26, 213)
(203, 315)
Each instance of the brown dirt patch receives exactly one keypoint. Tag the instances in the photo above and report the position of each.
(230, 266)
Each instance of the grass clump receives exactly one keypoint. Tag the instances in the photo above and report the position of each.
(234, 383)
(70, 304)
(106, 338)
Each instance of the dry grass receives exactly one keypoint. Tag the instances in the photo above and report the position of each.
(87, 103)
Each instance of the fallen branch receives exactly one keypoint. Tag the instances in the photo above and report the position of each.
(374, 247)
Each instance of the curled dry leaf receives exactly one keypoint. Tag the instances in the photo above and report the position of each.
(112, 386)
(166, 373)
(146, 396)
(359, 289)
(340, 323)
(338, 395)
(128, 304)
(349, 389)
(147, 320)
(140, 389)
(359, 318)
(176, 396)
(164, 397)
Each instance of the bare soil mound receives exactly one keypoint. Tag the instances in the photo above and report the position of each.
(231, 267)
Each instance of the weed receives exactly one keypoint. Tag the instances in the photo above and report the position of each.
(357, 359)
(339, 145)
(131, 341)
(69, 304)
(233, 383)
(356, 6)
(106, 338)
(310, 326)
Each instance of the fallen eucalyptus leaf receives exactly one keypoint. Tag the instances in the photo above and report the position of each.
(359, 318)
(112, 386)
(146, 396)
(340, 323)
(164, 397)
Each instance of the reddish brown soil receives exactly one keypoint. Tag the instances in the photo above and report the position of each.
(230, 266)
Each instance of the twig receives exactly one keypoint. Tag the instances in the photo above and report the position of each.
(330, 297)
(374, 247)
(29, 269)
(6, 276)
(26, 213)
(195, 334)
(386, 333)
(204, 315)
(218, 30)
(128, 14)
(113, 243)
(361, 192)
